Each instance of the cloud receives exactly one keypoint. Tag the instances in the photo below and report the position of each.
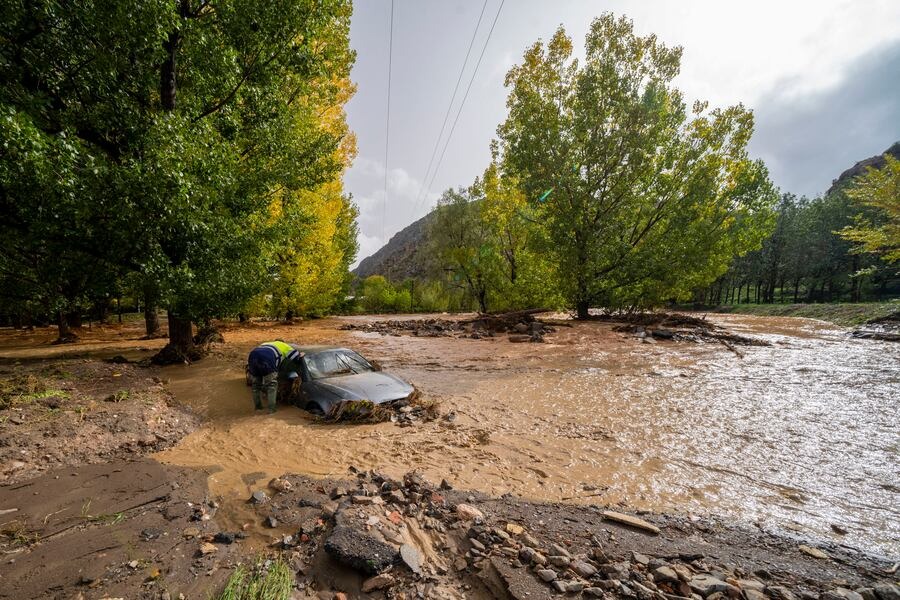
(808, 139)
(379, 220)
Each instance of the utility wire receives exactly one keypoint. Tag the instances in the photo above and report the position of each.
(437, 142)
(387, 121)
(463, 103)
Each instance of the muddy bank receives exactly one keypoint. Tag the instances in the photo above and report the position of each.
(81, 411)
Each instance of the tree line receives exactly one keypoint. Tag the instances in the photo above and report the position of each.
(186, 155)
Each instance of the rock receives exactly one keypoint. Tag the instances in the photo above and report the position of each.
(460, 564)
(477, 544)
(751, 594)
(538, 559)
(207, 548)
(514, 529)
(707, 584)
(190, 532)
(630, 520)
(519, 338)
(151, 533)
(330, 508)
(411, 557)
(467, 512)
(840, 594)
(280, 485)
(223, 537)
(557, 550)
(559, 586)
(561, 562)
(338, 492)
(368, 500)
(593, 592)
(665, 573)
(779, 592)
(641, 559)
(886, 591)
(814, 552)
(379, 582)
(397, 497)
(339, 596)
(751, 584)
(445, 485)
(546, 574)
(583, 569)
(526, 554)
(867, 593)
(573, 587)
(359, 550)
(258, 497)
(838, 529)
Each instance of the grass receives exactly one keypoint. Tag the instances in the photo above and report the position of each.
(840, 313)
(16, 533)
(22, 389)
(268, 579)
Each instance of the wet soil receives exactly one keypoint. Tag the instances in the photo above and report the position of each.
(749, 457)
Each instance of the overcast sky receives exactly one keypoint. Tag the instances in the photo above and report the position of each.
(822, 76)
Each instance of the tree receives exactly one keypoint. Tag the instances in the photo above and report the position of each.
(879, 191)
(641, 203)
(162, 130)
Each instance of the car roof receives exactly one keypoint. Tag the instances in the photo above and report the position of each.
(316, 349)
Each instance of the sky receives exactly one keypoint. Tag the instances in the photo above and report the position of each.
(822, 77)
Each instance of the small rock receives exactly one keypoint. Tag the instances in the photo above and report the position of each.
(583, 569)
(151, 533)
(338, 492)
(814, 552)
(514, 529)
(707, 584)
(641, 559)
(460, 564)
(330, 508)
(573, 587)
(780, 592)
(467, 512)
(280, 485)
(546, 574)
(258, 497)
(752, 594)
(538, 559)
(445, 485)
(867, 593)
(630, 520)
(665, 573)
(841, 594)
(557, 550)
(411, 557)
(190, 532)
(369, 500)
(207, 548)
(379, 582)
(559, 586)
(223, 537)
(561, 562)
(838, 529)
(593, 592)
(526, 554)
(886, 591)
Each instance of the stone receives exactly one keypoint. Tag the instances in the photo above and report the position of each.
(411, 558)
(271, 522)
(583, 569)
(190, 532)
(561, 562)
(359, 550)
(526, 554)
(223, 537)
(460, 564)
(207, 548)
(867, 593)
(518, 338)
(538, 559)
(338, 492)
(886, 591)
(814, 552)
(752, 594)
(477, 544)
(706, 585)
(684, 572)
(559, 586)
(530, 540)
(838, 529)
(557, 550)
(368, 500)
(330, 508)
(641, 559)
(281, 485)
(397, 497)
(467, 512)
(339, 596)
(841, 594)
(593, 592)
(779, 592)
(546, 574)
(514, 529)
(751, 584)
(664, 573)
(631, 521)
(258, 497)
(379, 582)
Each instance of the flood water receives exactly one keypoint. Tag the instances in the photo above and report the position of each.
(795, 436)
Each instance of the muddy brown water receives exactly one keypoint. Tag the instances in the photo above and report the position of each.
(796, 436)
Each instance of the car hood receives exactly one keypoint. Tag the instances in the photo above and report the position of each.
(376, 386)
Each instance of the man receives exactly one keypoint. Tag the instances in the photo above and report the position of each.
(264, 364)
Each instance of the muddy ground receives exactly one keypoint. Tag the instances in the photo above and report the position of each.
(129, 526)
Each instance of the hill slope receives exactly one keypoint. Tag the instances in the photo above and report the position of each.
(402, 256)
(859, 168)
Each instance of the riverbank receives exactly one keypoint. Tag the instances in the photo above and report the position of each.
(541, 436)
(844, 314)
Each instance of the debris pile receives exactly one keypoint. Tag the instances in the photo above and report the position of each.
(520, 326)
(886, 329)
(651, 326)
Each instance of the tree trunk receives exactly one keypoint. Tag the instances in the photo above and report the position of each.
(66, 335)
(242, 317)
(582, 309)
(151, 311)
(119, 307)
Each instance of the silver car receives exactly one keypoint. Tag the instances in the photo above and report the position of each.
(330, 376)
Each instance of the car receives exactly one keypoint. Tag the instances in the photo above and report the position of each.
(331, 375)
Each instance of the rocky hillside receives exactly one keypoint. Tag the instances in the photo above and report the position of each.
(401, 257)
(859, 168)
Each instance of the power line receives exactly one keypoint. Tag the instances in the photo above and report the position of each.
(387, 120)
(465, 96)
(462, 70)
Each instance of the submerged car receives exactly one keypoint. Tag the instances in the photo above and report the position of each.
(330, 376)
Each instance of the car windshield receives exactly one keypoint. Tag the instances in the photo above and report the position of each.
(331, 363)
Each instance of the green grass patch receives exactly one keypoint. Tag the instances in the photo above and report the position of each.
(840, 313)
(268, 579)
(22, 389)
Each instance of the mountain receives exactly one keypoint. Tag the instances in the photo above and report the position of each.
(402, 257)
(859, 168)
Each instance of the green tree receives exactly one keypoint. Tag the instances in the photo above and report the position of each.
(162, 130)
(879, 191)
(641, 201)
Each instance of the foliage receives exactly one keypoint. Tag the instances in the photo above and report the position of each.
(839, 313)
(879, 190)
(640, 202)
(267, 580)
(152, 138)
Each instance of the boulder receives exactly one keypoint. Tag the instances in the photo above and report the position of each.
(360, 550)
